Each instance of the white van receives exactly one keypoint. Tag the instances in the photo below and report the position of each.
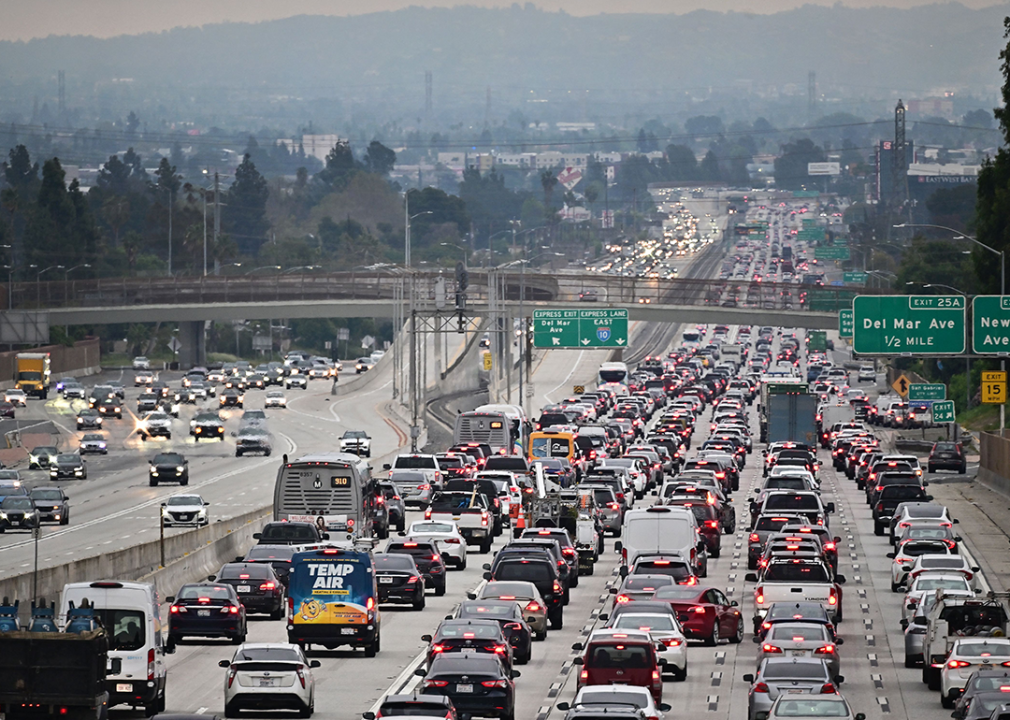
(129, 612)
(662, 530)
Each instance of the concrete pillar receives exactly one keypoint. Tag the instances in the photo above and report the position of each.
(192, 337)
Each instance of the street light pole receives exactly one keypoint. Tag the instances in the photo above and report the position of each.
(38, 281)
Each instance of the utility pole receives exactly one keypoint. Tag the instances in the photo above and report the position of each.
(811, 96)
(217, 219)
(899, 172)
(170, 203)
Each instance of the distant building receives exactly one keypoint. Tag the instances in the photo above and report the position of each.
(452, 160)
(610, 158)
(575, 126)
(931, 107)
(319, 146)
(550, 159)
(524, 161)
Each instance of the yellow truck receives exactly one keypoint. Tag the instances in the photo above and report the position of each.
(32, 374)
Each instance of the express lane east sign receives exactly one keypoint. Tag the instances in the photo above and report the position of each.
(909, 324)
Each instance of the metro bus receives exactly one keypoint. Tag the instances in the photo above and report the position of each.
(333, 490)
(613, 372)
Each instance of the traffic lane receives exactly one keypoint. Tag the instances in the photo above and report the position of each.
(348, 684)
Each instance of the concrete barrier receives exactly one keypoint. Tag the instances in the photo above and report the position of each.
(188, 555)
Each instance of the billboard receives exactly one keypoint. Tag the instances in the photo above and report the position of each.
(824, 168)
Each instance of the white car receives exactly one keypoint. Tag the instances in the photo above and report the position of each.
(446, 536)
(867, 373)
(800, 706)
(143, 377)
(665, 630)
(275, 399)
(604, 695)
(16, 396)
(904, 557)
(185, 510)
(141, 363)
(154, 424)
(319, 372)
(297, 381)
(947, 565)
(966, 656)
(271, 676)
(953, 586)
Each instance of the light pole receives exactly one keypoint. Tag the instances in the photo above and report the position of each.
(1002, 291)
(301, 267)
(66, 280)
(406, 226)
(38, 281)
(264, 267)
(458, 247)
(189, 187)
(171, 197)
(10, 286)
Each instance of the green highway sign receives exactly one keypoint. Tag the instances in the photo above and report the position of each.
(991, 322)
(564, 328)
(845, 323)
(909, 324)
(840, 241)
(855, 278)
(825, 299)
(927, 391)
(943, 412)
(831, 252)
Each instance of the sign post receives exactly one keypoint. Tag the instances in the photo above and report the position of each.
(907, 324)
(855, 278)
(831, 252)
(562, 328)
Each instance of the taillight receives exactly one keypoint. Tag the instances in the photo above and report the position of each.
(427, 514)
(754, 537)
(827, 689)
(713, 524)
(614, 506)
(833, 597)
(494, 683)
(698, 609)
(301, 675)
(231, 675)
(622, 598)
(557, 587)
(436, 683)
(150, 664)
(533, 606)
(761, 687)
(671, 642)
(233, 609)
(825, 650)
(268, 585)
(437, 648)
(759, 595)
(770, 649)
(954, 664)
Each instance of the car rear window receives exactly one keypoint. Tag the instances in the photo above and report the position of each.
(793, 671)
(238, 572)
(796, 572)
(523, 570)
(624, 656)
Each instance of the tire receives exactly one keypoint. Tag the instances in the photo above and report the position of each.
(575, 578)
(306, 712)
(462, 563)
(372, 649)
(878, 529)
(401, 524)
(946, 701)
(440, 589)
(65, 520)
(930, 469)
(738, 637)
(154, 483)
(184, 482)
(230, 711)
(540, 636)
(894, 587)
(278, 613)
(715, 552)
(909, 662)
(485, 546)
(713, 639)
(933, 679)
(963, 470)
(151, 710)
(419, 604)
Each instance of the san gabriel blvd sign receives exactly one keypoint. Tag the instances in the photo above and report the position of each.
(909, 324)
(606, 327)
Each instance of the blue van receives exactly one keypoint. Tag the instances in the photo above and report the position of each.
(333, 600)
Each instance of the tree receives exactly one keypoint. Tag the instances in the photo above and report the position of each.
(339, 166)
(980, 118)
(245, 208)
(548, 181)
(704, 125)
(51, 221)
(167, 177)
(953, 207)
(791, 165)
(132, 123)
(20, 174)
(710, 167)
(116, 212)
(681, 163)
(379, 159)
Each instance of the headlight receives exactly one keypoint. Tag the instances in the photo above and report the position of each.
(179, 468)
(99, 420)
(154, 471)
(3, 516)
(203, 511)
(29, 513)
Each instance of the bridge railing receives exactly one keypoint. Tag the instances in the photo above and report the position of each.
(563, 287)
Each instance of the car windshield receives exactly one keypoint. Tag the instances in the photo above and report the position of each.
(17, 502)
(652, 583)
(270, 552)
(508, 590)
(158, 416)
(244, 572)
(185, 500)
(624, 656)
(792, 502)
(677, 592)
(676, 570)
(811, 708)
(278, 654)
(415, 462)
(194, 592)
(68, 459)
(601, 696)
(469, 631)
(167, 459)
(798, 633)
(478, 609)
(928, 583)
(431, 528)
(629, 621)
(946, 447)
(46, 494)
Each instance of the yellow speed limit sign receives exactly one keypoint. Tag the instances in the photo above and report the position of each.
(994, 388)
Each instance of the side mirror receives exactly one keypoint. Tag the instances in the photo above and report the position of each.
(315, 664)
(751, 577)
(420, 672)
(163, 504)
(860, 716)
(577, 646)
(624, 571)
(830, 507)
(515, 674)
(325, 536)
(224, 663)
(170, 599)
(749, 677)
(839, 641)
(613, 591)
(664, 707)
(387, 466)
(839, 679)
(562, 706)
(257, 536)
(211, 577)
(928, 498)
(486, 566)
(837, 539)
(904, 623)
(957, 538)
(426, 638)
(840, 579)
(402, 534)
(486, 576)
(576, 661)
(733, 603)
(368, 715)
(206, 504)
(955, 521)
(890, 555)
(976, 569)
(755, 639)
(618, 546)
(471, 596)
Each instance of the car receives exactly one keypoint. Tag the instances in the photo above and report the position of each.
(118, 388)
(257, 586)
(357, 442)
(867, 373)
(612, 656)
(415, 487)
(640, 587)
(142, 378)
(18, 512)
(363, 364)
(207, 425)
(206, 609)
(799, 639)
(613, 701)
(665, 631)
(276, 556)
(256, 382)
(446, 536)
(296, 381)
(141, 363)
(92, 443)
(414, 705)
(399, 580)
(155, 424)
(704, 612)
(510, 617)
(269, 676)
(185, 510)
(253, 440)
(525, 595)
(488, 689)
(89, 418)
(232, 397)
(110, 406)
(51, 503)
(427, 558)
(777, 676)
(814, 705)
(947, 456)
(953, 585)
(68, 465)
(983, 682)
(16, 397)
(40, 457)
(455, 635)
(275, 399)
(7, 410)
(905, 555)
(967, 655)
(169, 467)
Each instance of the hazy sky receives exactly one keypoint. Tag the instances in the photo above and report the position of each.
(25, 19)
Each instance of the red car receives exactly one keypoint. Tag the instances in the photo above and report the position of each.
(700, 609)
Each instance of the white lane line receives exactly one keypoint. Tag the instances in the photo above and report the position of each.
(578, 360)
(201, 711)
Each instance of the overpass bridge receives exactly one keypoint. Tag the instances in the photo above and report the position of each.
(394, 293)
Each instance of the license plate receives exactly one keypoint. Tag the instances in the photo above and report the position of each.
(267, 682)
(124, 687)
(203, 613)
(464, 688)
(244, 588)
(346, 631)
(385, 580)
(799, 653)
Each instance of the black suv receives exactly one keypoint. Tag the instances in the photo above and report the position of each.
(947, 456)
(889, 499)
(110, 406)
(207, 425)
(257, 586)
(427, 558)
(536, 569)
(52, 504)
(169, 467)
(290, 533)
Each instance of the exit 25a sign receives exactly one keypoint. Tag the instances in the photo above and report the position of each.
(909, 324)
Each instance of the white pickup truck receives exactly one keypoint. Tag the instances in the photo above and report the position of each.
(468, 511)
(788, 579)
(954, 616)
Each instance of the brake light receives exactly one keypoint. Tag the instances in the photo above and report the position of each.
(533, 606)
(770, 649)
(833, 597)
(437, 648)
(427, 514)
(268, 585)
(622, 598)
(761, 687)
(698, 609)
(150, 664)
(759, 595)
(436, 683)
(825, 650)
(954, 664)
(713, 524)
(494, 683)
(557, 587)
(175, 609)
(827, 689)
(614, 506)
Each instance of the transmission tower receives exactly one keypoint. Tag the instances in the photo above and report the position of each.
(487, 108)
(427, 94)
(811, 96)
(62, 79)
(899, 168)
